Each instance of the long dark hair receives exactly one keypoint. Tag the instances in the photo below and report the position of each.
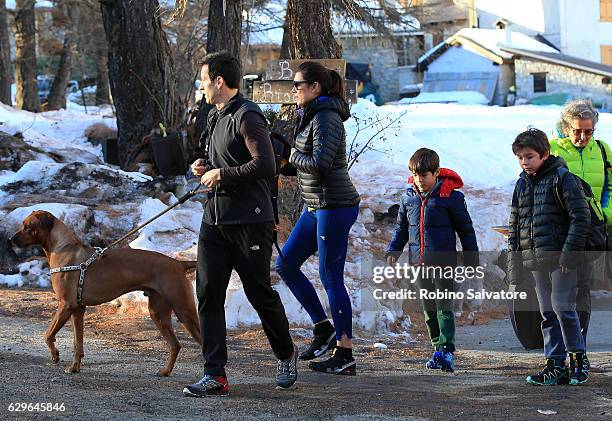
(331, 82)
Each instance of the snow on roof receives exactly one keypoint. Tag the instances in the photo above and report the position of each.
(493, 39)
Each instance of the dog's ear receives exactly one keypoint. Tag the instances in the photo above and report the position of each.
(45, 220)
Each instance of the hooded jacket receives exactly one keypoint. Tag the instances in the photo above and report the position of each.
(588, 164)
(542, 236)
(319, 155)
(428, 224)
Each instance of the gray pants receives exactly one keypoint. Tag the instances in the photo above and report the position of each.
(556, 293)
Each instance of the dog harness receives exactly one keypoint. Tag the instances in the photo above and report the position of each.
(82, 267)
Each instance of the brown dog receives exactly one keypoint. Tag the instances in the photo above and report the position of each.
(119, 271)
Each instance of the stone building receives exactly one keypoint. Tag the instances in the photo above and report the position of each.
(392, 55)
(541, 74)
(473, 60)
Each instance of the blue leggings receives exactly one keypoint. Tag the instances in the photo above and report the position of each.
(325, 230)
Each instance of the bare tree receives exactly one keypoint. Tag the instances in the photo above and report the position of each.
(5, 57)
(140, 71)
(70, 20)
(25, 56)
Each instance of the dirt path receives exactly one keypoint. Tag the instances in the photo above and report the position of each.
(123, 351)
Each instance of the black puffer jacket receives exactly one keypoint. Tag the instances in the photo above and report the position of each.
(319, 155)
(543, 236)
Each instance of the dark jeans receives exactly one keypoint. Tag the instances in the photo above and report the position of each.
(556, 293)
(439, 316)
(583, 303)
(248, 249)
(325, 231)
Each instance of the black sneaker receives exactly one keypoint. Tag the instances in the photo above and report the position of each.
(555, 372)
(286, 371)
(341, 362)
(579, 368)
(208, 386)
(323, 341)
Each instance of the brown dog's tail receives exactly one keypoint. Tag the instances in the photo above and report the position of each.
(188, 264)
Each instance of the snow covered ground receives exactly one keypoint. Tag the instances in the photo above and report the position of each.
(473, 140)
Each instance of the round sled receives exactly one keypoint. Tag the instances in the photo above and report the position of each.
(527, 320)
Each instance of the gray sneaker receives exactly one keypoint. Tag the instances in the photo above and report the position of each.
(208, 386)
(286, 371)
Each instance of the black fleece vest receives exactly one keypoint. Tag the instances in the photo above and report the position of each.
(250, 202)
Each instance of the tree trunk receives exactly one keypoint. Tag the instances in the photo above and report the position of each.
(5, 58)
(140, 72)
(26, 67)
(308, 27)
(224, 33)
(285, 50)
(57, 94)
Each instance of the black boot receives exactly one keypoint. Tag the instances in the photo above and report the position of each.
(324, 340)
(341, 362)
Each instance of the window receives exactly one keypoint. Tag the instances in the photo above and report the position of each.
(606, 54)
(605, 10)
(539, 82)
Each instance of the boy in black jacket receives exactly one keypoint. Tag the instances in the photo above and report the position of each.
(549, 241)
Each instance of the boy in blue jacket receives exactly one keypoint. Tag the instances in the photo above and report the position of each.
(430, 213)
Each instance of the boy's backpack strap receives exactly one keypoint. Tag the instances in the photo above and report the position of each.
(520, 184)
(557, 187)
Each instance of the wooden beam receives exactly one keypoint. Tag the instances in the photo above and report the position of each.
(286, 69)
(279, 92)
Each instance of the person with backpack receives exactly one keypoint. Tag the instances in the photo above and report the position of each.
(319, 158)
(588, 158)
(237, 229)
(548, 238)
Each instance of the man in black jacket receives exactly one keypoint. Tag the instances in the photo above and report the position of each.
(238, 225)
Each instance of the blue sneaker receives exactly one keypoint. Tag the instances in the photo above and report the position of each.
(434, 361)
(447, 362)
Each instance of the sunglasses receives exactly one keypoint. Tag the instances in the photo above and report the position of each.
(297, 83)
(579, 132)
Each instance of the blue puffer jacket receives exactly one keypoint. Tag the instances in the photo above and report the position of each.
(428, 224)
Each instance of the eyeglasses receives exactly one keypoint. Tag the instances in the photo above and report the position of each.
(580, 132)
(297, 83)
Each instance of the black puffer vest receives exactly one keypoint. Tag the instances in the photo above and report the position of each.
(320, 155)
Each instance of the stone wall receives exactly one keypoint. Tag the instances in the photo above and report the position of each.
(561, 79)
(379, 52)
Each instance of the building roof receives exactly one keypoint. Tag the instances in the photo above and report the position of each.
(564, 60)
(488, 43)
(493, 39)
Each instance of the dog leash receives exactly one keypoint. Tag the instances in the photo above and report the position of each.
(99, 251)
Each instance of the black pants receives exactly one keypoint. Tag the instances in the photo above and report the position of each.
(248, 249)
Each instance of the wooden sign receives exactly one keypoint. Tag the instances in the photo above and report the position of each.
(279, 92)
(286, 69)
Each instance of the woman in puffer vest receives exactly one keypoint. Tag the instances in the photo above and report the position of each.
(585, 157)
(319, 157)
